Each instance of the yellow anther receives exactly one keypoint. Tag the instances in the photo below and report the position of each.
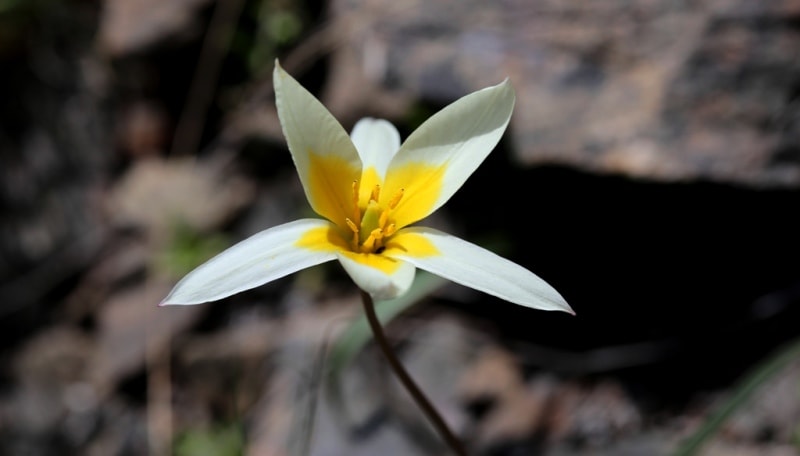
(383, 219)
(356, 209)
(396, 198)
(354, 228)
(351, 225)
(376, 193)
(369, 244)
(371, 225)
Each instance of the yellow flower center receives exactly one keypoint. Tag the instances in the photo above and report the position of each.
(374, 226)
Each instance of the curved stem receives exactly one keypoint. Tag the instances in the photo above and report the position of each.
(412, 388)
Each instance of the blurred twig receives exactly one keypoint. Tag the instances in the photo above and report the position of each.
(159, 390)
(314, 382)
(217, 41)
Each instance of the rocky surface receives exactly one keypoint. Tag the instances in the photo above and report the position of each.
(660, 90)
(680, 289)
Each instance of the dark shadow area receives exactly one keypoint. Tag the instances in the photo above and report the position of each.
(702, 276)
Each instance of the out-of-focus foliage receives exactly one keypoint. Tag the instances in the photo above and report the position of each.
(188, 250)
(358, 333)
(749, 385)
(221, 441)
(9, 5)
(796, 439)
(277, 24)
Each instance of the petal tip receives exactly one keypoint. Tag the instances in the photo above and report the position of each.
(560, 304)
(277, 72)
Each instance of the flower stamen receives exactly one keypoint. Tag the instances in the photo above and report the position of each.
(372, 225)
(356, 209)
(373, 241)
(383, 219)
(351, 225)
(354, 228)
(396, 198)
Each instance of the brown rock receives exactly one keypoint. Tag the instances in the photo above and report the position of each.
(127, 26)
(650, 88)
(157, 194)
(131, 327)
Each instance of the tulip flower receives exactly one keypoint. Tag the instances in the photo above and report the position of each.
(370, 190)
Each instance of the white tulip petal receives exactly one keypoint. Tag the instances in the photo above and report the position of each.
(447, 148)
(475, 267)
(377, 141)
(326, 160)
(261, 258)
(370, 188)
(376, 281)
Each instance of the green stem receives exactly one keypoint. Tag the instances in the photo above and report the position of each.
(412, 388)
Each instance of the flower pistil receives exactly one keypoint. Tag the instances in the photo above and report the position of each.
(373, 225)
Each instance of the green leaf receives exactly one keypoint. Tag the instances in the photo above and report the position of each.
(760, 375)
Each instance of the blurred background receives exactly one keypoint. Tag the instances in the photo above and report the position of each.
(651, 173)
